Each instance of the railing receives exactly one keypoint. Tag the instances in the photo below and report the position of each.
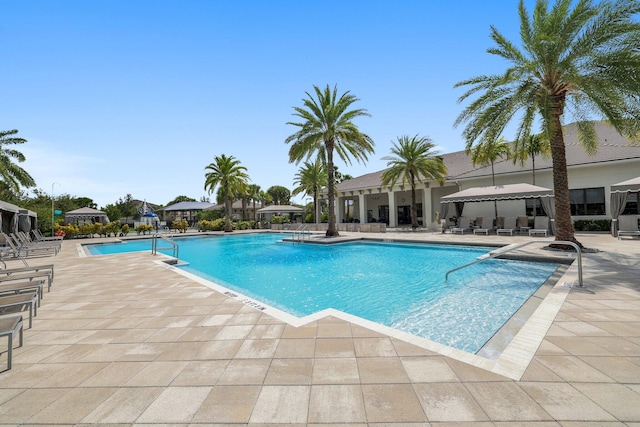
(512, 248)
(300, 232)
(155, 248)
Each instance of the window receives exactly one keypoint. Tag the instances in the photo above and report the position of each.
(631, 208)
(587, 201)
(538, 204)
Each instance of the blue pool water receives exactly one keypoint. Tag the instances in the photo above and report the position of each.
(398, 285)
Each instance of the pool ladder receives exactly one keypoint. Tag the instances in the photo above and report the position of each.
(155, 248)
(300, 232)
(512, 248)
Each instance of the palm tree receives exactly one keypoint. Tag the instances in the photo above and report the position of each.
(254, 195)
(486, 153)
(227, 173)
(578, 56)
(326, 127)
(12, 175)
(531, 146)
(309, 180)
(413, 160)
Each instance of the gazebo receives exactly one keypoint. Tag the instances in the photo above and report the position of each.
(84, 215)
(13, 218)
(501, 192)
(619, 194)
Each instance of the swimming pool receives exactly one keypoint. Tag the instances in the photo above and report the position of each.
(398, 285)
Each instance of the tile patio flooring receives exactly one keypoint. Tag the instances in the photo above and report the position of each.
(122, 340)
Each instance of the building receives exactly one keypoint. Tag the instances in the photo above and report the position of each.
(363, 199)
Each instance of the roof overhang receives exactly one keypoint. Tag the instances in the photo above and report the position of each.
(498, 192)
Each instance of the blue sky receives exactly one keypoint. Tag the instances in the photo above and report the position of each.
(125, 97)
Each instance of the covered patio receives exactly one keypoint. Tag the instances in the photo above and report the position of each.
(619, 196)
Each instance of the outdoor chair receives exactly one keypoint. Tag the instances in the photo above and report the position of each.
(20, 302)
(540, 226)
(508, 226)
(9, 327)
(628, 226)
(522, 224)
(464, 224)
(484, 225)
(16, 288)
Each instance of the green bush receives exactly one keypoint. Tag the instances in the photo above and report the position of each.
(181, 225)
(125, 229)
(309, 218)
(324, 217)
(592, 225)
(280, 219)
(144, 229)
(112, 228)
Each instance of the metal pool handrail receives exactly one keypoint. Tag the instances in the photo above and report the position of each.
(154, 245)
(512, 248)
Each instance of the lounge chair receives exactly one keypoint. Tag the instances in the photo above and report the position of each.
(39, 237)
(484, 225)
(508, 226)
(464, 224)
(26, 276)
(19, 250)
(540, 226)
(522, 225)
(26, 240)
(16, 288)
(9, 327)
(628, 226)
(20, 302)
(31, 272)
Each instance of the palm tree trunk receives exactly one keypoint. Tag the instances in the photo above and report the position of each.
(495, 202)
(414, 210)
(316, 215)
(564, 225)
(332, 230)
(227, 224)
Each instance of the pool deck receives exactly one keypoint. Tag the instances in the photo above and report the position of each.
(124, 340)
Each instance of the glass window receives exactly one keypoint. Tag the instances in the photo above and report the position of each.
(631, 208)
(587, 201)
(529, 207)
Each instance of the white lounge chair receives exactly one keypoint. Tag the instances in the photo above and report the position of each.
(464, 224)
(628, 226)
(508, 227)
(540, 226)
(484, 225)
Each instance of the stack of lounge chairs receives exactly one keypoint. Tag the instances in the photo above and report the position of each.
(20, 245)
(21, 290)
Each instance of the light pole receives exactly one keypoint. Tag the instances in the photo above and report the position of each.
(52, 209)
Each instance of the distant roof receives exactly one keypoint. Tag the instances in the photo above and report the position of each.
(280, 209)
(611, 147)
(187, 206)
(235, 205)
(85, 211)
(498, 192)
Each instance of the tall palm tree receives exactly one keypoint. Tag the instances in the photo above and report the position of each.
(12, 175)
(326, 127)
(486, 153)
(579, 55)
(309, 180)
(531, 146)
(254, 195)
(413, 160)
(227, 173)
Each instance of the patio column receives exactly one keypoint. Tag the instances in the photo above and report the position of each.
(362, 208)
(393, 210)
(427, 212)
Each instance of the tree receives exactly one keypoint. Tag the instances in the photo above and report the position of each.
(227, 173)
(413, 160)
(13, 176)
(326, 127)
(265, 198)
(180, 199)
(486, 153)
(309, 180)
(254, 196)
(339, 176)
(576, 56)
(279, 194)
(531, 146)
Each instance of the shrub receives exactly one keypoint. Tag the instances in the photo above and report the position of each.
(309, 218)
(280, 219)
(592, 225)
(112, 228)
(125, 229)
(144, 229)
(181, 225)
